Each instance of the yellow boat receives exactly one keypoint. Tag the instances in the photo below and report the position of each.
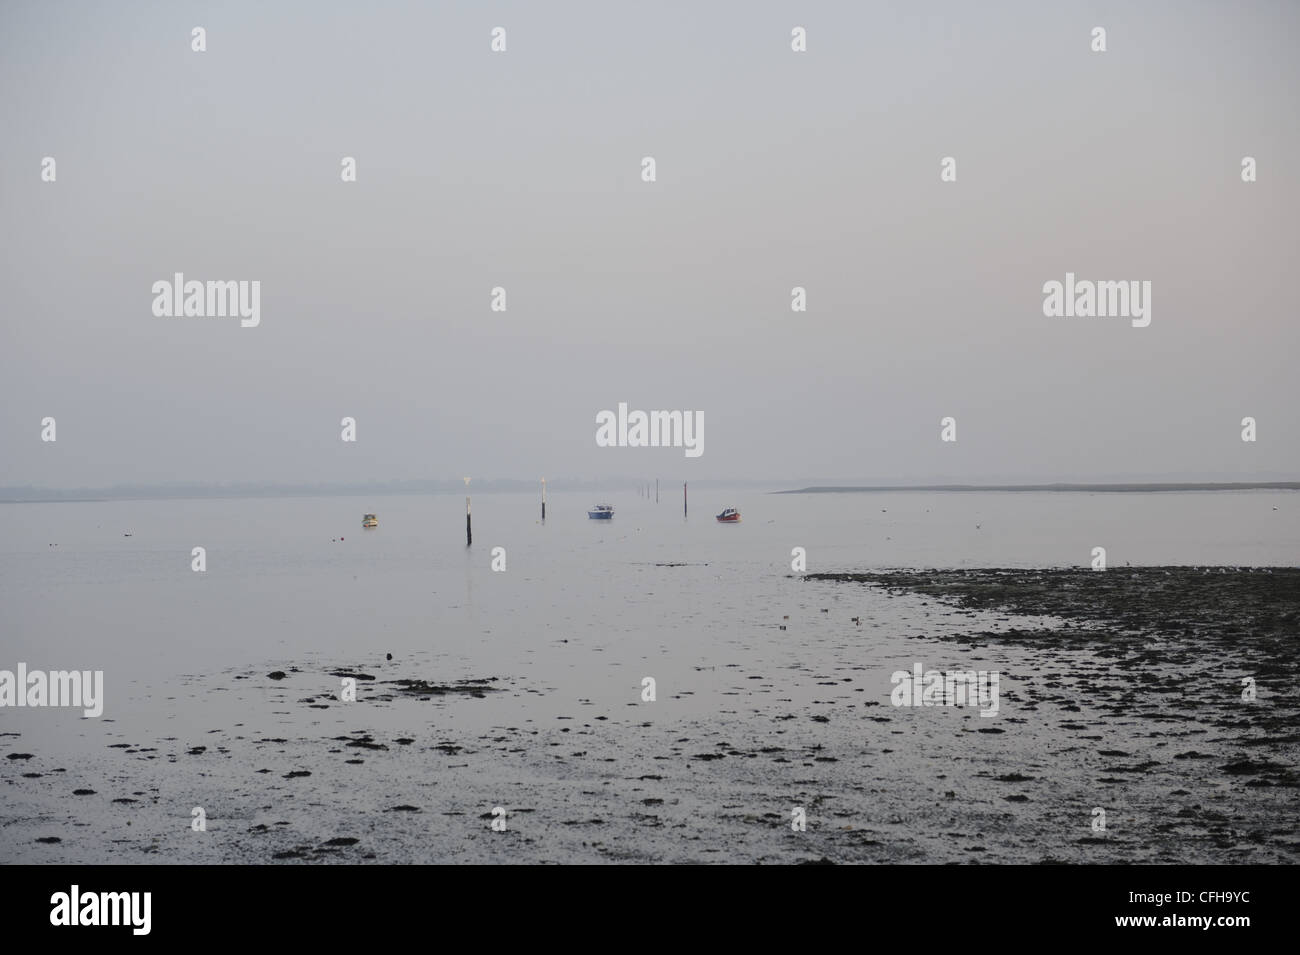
(370, 521)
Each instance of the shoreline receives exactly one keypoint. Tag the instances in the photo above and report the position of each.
(185, 492)
(1118, 488)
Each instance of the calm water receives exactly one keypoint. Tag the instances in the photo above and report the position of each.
(293, 577)
(289, 576)
(580, 615)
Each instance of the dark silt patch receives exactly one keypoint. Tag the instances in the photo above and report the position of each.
(1148, 660)
(477, 688)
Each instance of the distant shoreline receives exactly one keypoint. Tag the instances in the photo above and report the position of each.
(1209, 486)
(28, 495)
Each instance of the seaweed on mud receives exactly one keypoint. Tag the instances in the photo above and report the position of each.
(476, 688)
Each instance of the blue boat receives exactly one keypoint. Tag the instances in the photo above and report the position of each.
(601, 512)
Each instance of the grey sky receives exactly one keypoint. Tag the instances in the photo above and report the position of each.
(522, 170)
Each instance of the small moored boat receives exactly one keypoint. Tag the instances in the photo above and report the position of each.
(729, 516)
(369, 520)
(601, 512)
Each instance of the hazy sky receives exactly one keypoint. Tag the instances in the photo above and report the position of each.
(522, 169)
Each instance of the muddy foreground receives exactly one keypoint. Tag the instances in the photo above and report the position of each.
(1122, 691)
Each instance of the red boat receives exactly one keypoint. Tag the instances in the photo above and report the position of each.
(729, 516)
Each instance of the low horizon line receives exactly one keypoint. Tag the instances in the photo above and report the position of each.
(23, 494)
(1119, 486)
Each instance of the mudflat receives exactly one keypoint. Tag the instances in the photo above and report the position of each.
(1159, 701)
